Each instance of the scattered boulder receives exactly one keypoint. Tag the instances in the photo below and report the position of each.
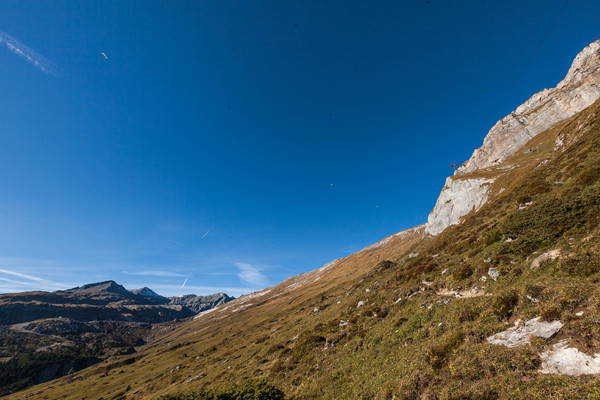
(519, 335)
(467, 293)
(550, 255)
(493, 273)
(532, 299)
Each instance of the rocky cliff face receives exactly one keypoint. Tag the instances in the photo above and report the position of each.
(200, 303)
(458, 198)
(150, 295)
(578, 90)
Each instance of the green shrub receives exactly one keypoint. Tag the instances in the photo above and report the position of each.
(249, 390)
(584, 264)
(534, 291)
(462, 272)
(550, 314)
(438, 355)
(467, 314)
(588, 176)
(540, 224)
(504, 305)
(414, 268)
(302, 351)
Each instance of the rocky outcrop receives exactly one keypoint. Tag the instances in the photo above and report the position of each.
(200, 303)
(562, 359)
(519, 335)
(550, 255)
(150, 295)
(458, 198)
(578, 90)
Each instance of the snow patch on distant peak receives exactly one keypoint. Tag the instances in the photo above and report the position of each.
(146, 291)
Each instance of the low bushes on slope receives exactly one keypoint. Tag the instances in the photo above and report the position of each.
(249, 390)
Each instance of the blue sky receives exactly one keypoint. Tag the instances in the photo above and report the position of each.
(237, 143)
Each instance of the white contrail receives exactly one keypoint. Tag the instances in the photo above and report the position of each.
(30, 55)
(184, 282)
(205, 234)
(30, 277)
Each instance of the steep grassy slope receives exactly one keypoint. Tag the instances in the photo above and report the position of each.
(386, 323)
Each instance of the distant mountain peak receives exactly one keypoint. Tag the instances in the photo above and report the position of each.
(200, 303)
(105, 286)
(147, 292)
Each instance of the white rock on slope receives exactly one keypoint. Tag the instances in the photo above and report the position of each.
(519, 336)
(458, 198)
(578, 90)
(551, 255)
(562, 359)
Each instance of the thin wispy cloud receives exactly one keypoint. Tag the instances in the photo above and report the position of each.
(13, 281)
(31, 56)
(164, 274)
(251, 274)
(18, 286)
(20, 275)
(26, 282)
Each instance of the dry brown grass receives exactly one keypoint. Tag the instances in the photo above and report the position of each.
(309, 336)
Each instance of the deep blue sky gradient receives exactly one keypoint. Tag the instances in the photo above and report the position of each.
(235, 117)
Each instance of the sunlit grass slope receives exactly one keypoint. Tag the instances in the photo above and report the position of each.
(384, 323)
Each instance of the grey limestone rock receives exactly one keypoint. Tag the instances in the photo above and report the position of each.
(200, 303)
(458, 198)
(578, 90)
(562, 359)
(550, 255)
(519, 335)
